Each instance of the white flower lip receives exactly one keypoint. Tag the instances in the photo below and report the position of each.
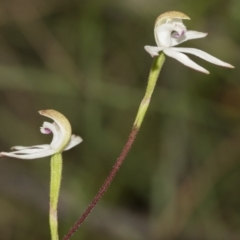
(63, 139)
(169, 31)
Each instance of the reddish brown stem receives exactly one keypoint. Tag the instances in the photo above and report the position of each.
(105, 185)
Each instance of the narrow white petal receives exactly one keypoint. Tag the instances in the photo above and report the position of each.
(42, 146)
(184, 59)
(75, 140)
(29, 156)
(189, 35)
(31, 150)
(153, 51)
(204, 55)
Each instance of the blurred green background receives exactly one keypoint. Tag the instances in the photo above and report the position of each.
(86, 59)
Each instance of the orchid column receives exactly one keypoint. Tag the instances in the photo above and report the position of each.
(62, 141)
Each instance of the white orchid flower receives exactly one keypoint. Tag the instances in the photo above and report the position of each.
(169, 31)
(62, 139)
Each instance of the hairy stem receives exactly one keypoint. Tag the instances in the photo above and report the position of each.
(154, 72)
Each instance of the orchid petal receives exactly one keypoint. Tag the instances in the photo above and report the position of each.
(203, 55)
(29, 156)
(75, 140)
(184, 59)
(153, 51)
(188, 35)
(30, 150)
(42, 146)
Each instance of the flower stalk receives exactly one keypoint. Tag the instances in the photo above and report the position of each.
(153, 76)
(55, 183)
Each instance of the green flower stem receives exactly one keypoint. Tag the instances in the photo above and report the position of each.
(55, 182)
(153, 76)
